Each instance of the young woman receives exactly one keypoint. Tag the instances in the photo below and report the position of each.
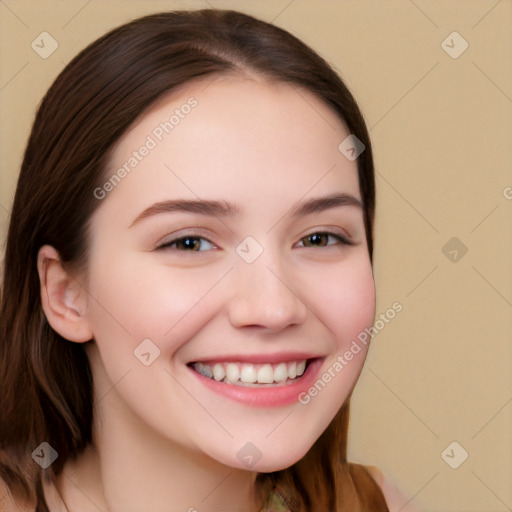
(188, 272)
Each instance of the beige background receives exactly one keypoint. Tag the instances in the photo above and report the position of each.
(441, 371)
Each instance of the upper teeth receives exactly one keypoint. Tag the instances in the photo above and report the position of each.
(251, 373)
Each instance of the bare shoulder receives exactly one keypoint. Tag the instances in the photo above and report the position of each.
(396, 500)
(7, 502)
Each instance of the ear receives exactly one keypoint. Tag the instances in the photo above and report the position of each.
(63, 299)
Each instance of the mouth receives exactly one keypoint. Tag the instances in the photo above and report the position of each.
(261, 375)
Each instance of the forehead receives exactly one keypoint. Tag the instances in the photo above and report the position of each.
(233, 138)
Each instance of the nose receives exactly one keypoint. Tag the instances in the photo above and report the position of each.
(262, 296)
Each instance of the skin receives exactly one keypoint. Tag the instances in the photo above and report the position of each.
(159, 432)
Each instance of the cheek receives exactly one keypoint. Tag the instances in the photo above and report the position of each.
(137, 299)
(346, 304)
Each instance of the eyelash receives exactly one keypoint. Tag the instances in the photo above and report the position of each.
(168, 245)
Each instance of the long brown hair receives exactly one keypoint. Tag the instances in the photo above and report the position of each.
(46, 381)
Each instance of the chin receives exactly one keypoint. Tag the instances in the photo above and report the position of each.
(269, 464)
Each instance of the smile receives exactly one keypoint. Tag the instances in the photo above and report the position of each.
(252, 375)
(258, 380)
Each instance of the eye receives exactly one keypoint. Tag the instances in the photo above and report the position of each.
(188, 243)
(323, 239)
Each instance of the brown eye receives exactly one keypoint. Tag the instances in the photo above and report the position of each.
(323, 239)
(187, 244)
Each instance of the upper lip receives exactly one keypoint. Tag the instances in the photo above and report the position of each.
(278, 357)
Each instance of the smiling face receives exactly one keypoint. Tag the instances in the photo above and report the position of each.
(233, 244)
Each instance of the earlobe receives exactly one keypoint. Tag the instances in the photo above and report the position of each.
(63, 299)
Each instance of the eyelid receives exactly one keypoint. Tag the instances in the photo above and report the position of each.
(329, 230)
(343, 239)
(172, 239)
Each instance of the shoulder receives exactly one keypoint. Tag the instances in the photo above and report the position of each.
(395, 499)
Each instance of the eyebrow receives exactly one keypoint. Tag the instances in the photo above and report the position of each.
(200, 206)
(320, 204)
(225, 209)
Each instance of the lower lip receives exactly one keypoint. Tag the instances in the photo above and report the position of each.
(276, 396)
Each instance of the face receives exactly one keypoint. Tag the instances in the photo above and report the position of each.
(231, 247)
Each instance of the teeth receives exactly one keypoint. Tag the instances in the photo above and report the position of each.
(232, 372)
(265, 374)
(281, 373)
(205, 370)
(292, 370)
(248, 374)
(218, 372)
(252, 374)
